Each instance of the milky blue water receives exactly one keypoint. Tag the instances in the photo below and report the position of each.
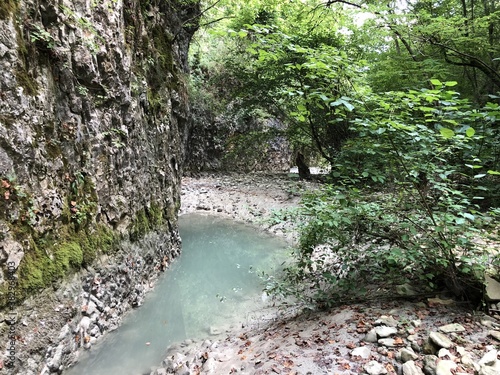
(212, 286)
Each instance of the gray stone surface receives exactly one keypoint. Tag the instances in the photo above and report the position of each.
(410, 368)
(387, 320)
(407, 355)
(445, 367)
(374, 368)
(363, 352)
(454, 327)
(492, 288)
(440, 340)
(384, 331)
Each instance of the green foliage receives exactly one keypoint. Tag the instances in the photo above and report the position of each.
(421, 151)
(41, 37)
(414, 170)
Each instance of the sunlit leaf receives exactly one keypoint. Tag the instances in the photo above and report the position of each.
(470, 132)
(447, 133)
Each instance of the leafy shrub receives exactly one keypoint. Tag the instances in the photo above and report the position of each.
(406, 204)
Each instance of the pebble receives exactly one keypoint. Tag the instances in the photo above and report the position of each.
(495, 335)
(371, 336)
(384, 331)
(407, 355)
(445, 367)
(410, 368)
(386, 321)
(490, 358)
(430, 364)
(375, 368)
(363, 352)
(390, 343)
(440, 340)
(454, 327)
(446, 353)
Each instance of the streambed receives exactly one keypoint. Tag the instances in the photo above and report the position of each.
(212, 287)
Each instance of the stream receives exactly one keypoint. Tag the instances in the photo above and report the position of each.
(213, 286)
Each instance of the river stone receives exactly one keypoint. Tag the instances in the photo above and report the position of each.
(495, 335)
(390, 343)
(384, 331)
(363, 352)
(407, 355)
(445, 367)
(209, 366)
(454, 327)
(375, 368)
(489, 359)
(487, 370)
(445, 353)
(55, 362)
(440, 340)
(371, 336)
(410, 368)
(430, 364)
(492, 288)
(386, 321)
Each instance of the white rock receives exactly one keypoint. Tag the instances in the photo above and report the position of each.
(445, 367)
(363, 352)
(371, 336)
(495, 335)
(440, 340)
(454, 327)
(489, 359)
(375, 368)
(492, 288)
(446, 353)
(409, 368)
(384, 331)
(386, 321)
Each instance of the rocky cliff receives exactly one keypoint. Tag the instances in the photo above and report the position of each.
(93, 117)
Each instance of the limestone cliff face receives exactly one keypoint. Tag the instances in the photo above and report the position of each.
(93, 114)
(92, 117)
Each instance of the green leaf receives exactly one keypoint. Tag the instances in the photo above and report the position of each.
(451, 83)
(436, 82)
(447, 133)
(496, 173)
(468, 216)
(470, 132)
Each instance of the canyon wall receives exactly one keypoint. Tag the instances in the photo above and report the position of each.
(93, 123)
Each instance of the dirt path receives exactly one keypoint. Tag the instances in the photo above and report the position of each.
(435, 336)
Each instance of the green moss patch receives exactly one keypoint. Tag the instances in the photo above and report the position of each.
(7, 7)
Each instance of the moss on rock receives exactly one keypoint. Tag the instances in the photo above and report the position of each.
(7, 7)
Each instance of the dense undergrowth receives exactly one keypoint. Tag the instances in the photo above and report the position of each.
(411, 205)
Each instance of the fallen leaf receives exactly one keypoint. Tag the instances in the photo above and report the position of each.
(398, 341)
(350, 345)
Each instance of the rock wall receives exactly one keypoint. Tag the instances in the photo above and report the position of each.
(93, 118)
